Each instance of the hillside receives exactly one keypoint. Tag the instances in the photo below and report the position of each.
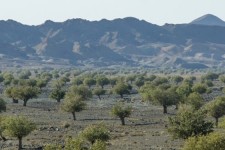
(126, 41)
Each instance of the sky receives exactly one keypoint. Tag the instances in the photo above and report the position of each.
(34, 12)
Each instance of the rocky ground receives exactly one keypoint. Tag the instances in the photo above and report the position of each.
(145, 129)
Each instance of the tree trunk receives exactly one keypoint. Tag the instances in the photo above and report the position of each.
(15, 100)
(58, 100)
(3, 138)
(122, 120)
(217, 120)
(25, 103)
(20, 143)
(99, 97)
(102, 86)
(74, 116)
(121, 95)
(164, 109)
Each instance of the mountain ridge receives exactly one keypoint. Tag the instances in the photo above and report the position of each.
(128, 41)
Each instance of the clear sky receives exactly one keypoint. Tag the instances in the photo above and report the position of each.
(35, 12)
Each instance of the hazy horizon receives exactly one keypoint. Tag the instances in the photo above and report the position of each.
(153, 11)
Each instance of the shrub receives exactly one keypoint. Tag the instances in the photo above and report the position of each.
(92, 133)
(188, 122)
(212, 141)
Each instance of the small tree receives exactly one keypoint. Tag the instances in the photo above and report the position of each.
(112, 82)
(93, 133)
(26, 93)
(188, 122)
(99, 92)
(2, 105)
(164, 98)
(18, 127)
(199, 88)
(212, 141)
(121, 111)
(12, 92)
(57, 92)
(121, 89)
(89, 82)
(102, 81)
(73, 103)
(195, 100)
(216, 108)
(81, 90)
(41, 83)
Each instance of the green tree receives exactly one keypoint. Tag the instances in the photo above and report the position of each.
(164, 98)
(41, 83)
(195, 100)
(199, 88)
(102, 81)
(26, 93)
(77, 81)
(81, 90)
(130, 78)
(99, 92)
(216, 108)
(189, 122)
(73, 103)
(212, 141)
(139, 82)
(57, 92)
(89, 82)
(2, 105)
(177, 79)
(121, 89)
(121, 111)
(112, 82)
(18, 127)
(93, 133)
(12, 92)
(184, 89)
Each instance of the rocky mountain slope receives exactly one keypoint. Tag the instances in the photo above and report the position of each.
(126, 41)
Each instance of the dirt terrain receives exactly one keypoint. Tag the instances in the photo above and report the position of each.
(145, 129)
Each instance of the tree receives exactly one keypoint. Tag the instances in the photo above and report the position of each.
(2, 105)
(89, 82)
(18, 127)
(139, 82)
(12, 92)
(41, 83)
(210, 76)
(112, 81)
(212, 141)
(121, 89)
(216, 108)
(73, 103)
(26, 93)
(99, 92)
(94, 133)
(199, 88)
(184, 89)
(77, 81)
(130, 78)
(164, 98)
(57, 92)
(189, 122)
(195, 100)
(102, 81)
(121, 111)
(81, 90)
(177, 79)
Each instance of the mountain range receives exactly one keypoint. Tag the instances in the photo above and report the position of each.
(128, 42)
